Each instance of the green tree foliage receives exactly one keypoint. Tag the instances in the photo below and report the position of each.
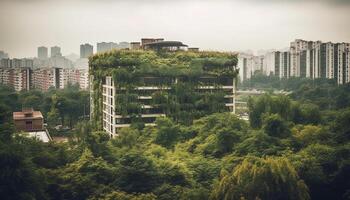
(181, 71)
(116, 195)
(259, 178)
(294, 147)
(342, 126)
(18, 177)
(6, 126)
(82, 178)
(274, 126)
(167, 133)
(258, 143)
(136, 173)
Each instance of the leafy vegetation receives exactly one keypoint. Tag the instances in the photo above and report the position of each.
(179, 74)
(292, 148)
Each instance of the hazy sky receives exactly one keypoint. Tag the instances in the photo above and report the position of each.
(229, 25)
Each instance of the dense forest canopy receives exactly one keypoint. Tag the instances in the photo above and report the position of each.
(293, 147)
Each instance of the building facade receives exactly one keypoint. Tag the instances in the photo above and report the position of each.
(56, 51)
(86, 50)
(157, 93)
(106, 46)
(3, 55)
(43, 53)
(306, 59)
(17, 78)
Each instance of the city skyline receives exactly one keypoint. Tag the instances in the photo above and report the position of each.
(220, 25)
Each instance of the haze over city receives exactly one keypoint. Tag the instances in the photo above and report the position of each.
(213, 25)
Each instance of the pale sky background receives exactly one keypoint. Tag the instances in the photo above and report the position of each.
(227, 25)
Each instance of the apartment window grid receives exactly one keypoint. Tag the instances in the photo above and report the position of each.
(108, 106)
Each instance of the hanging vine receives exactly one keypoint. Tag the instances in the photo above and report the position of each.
(178, 74)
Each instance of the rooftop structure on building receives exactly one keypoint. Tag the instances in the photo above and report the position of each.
(168, 45)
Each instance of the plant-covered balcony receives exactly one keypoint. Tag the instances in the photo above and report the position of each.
(177, 78)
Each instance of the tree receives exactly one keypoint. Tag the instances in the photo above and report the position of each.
(261, 178)
(136, 173)
(342, 126)
(116, 195)
(258, 143)
(226, 138)
(310, 134)
(127, 137)
(32, 101)
(53, 117)
(274, 126)
(18, 177)
(167, 132)
(6, 126)
(82, 178)
(310, 114)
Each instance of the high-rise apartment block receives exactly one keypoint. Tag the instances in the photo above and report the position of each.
(56, 51)
(73, 76)
(249, 64)
(124, 45)
(307, 59)
(86, 50)
(106, 46)
(59, 78)
(45, 78)
(3, 55)
(42, 53)
(25, 78)
(18, 78)
(16, 63)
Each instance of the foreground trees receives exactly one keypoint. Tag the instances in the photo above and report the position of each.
(259, 178)
(217, 157)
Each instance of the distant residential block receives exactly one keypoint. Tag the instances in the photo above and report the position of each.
(42, 52)
(17, 78)
(3, 55)
(308, 59)
(86, 50)
(106, 46)
(56, 51)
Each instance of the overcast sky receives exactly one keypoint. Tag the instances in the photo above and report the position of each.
(228, 25)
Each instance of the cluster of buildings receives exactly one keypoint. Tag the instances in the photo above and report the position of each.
(43, 78)
(54, 60)
(44, 71)
(309, 59)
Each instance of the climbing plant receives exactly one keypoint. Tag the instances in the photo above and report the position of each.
(179, 75)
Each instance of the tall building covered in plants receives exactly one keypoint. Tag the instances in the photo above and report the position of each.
(135, 87)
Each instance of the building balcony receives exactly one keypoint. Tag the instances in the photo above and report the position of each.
(128, 125)
(142, 115)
